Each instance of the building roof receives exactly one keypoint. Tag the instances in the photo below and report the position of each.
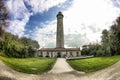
(59, 49)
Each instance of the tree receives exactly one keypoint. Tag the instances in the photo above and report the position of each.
(28, 42)
(10, 44)
(111, 39)
(13, 46)
(3, 18)
(110, 43)
(115, 37)
(105, 42)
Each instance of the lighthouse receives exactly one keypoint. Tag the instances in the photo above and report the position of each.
(59, 50)
(60, 31)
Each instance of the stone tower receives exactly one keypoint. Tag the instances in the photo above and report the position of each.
(60, 33)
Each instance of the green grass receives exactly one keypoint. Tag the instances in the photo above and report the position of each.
(30, 65)
(93, 64)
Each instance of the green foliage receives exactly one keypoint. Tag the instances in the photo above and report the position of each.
(93, 64)
(13, 46)
(110, 43)
(91, 49)
(30, 65)
(28, 42)
(10, 44)
(100, 52)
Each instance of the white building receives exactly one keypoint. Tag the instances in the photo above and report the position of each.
(59, 51)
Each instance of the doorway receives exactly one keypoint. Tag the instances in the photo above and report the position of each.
(58, 54)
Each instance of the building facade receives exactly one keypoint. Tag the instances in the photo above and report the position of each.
(59, 51)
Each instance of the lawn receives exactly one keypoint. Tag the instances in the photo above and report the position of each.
(93, 64)
(30, 65)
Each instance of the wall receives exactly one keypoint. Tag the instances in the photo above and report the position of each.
(57, 53)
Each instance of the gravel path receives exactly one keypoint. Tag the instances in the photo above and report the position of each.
(62, 71)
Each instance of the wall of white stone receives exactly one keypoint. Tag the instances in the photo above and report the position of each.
(62, 54)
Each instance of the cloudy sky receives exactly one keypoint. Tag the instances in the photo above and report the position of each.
(84, 20)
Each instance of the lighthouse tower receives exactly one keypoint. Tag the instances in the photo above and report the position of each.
(60, 32)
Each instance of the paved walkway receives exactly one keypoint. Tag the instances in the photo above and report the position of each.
(61, 66)
(62, 71)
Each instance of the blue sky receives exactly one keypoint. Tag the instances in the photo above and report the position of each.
(84, 20)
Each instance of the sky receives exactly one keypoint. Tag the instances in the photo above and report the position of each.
(83, 20)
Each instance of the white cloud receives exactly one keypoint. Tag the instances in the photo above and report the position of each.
(116, 3)
(89, 17)
(19, 17)
(20, 14)
(43, 5)
(17, 27)
(83, 23)
(46, 35)
(17, 9)
(75, 40)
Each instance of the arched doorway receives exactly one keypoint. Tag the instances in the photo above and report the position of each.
(58, 54)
